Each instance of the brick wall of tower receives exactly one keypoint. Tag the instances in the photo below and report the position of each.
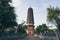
(30, 21)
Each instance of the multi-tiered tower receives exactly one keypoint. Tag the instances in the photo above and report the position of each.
(30, 22)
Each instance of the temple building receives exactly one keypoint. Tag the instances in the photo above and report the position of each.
(30, 22)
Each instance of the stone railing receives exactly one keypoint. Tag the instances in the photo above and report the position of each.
(11, 36)
(48, 36)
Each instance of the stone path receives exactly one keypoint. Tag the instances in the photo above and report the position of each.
(30, 38)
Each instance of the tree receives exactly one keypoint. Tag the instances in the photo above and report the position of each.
(41, 29)
(50, 31)
(21, 29)
(54, 16)
(7, 15)
(24, 26)
(38, 29)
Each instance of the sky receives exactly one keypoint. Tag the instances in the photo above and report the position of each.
(39, 9)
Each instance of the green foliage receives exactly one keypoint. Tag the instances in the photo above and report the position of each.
(41, 29)
(24, 26)
(11, 30)
(54, 16)
(7, 15)
(21, 29)
(5, 1)
(38, 29)
(50, 30)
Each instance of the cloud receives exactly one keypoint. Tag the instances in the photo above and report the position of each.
(21, 8)
(39, 8)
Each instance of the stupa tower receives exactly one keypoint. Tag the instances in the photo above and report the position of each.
(30, 22)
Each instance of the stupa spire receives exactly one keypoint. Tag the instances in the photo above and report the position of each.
(30, 21)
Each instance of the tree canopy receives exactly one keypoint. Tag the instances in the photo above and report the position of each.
(21, 29)
(54, 16)
(7, 15)
(41, 29)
